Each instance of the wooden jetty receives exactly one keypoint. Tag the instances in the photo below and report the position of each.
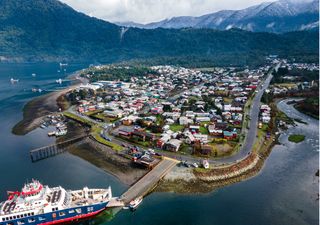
(55, 149)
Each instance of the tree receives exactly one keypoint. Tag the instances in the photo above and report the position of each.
(166, 108)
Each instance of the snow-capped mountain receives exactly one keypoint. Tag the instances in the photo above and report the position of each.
(279, 16)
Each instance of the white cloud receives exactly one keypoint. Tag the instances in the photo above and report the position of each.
(146, 11)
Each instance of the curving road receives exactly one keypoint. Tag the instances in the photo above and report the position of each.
(251, 133)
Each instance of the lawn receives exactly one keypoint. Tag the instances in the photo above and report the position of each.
(227, 100)
(78, 118)
(96, 135)
(287, 85)
(204, 130)
(112, 145)
(220, 150)
(91, 113)
(99, 116)
(176, 127)
(296, 138)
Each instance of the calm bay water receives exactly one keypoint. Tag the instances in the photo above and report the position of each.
(285, 191)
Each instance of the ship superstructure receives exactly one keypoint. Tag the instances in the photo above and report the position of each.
(38, 204)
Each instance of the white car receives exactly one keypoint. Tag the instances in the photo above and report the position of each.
(151, 151)
(195, 165)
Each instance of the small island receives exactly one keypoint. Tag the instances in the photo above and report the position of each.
(296, 138)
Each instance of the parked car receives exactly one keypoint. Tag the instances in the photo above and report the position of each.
(186, 164)
(151, 151)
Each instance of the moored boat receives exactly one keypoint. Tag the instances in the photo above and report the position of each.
(53, 133)
(38, 204)
(135, 203)
(61, 133)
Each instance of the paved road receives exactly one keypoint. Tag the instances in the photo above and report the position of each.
(251, 133)
(146, 183)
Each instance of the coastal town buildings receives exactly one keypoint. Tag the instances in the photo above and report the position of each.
(177, 109)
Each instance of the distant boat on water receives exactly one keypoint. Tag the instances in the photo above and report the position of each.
(13, 81)
(63, 64)
(59, 81)
(33, 75)
(36, 90)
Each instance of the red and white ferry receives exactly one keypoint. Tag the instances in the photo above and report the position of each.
(37, 204)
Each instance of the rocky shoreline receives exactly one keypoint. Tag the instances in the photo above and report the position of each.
(193, 182)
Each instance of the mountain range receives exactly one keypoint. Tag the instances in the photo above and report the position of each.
(280, 16)
(48, 30)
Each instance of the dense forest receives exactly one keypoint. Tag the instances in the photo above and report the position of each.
(117, 73)
(299, 74)
(49, 30)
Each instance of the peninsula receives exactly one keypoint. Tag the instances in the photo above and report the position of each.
(210, 121)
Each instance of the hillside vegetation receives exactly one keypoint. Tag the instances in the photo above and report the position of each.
(40, 30)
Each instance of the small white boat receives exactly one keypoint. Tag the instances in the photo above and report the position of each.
(135, 203)
(43, 126)
(63, 64)
(59, 81)
(33, 75)
(53, 133)
(61, 133)
(13, 81)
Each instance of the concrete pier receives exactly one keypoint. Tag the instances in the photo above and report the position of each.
(146, 184)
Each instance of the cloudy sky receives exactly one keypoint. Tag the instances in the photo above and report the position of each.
(146, 11)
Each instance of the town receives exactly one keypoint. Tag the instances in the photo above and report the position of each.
(188, 114)
(185, 111)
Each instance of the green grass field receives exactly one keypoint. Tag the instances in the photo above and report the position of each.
(96, 135)
(78, 118)
(176, 127)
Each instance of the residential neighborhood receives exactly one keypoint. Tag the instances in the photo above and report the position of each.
(187, 111)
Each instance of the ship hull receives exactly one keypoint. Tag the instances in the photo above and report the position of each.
(62, 216)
